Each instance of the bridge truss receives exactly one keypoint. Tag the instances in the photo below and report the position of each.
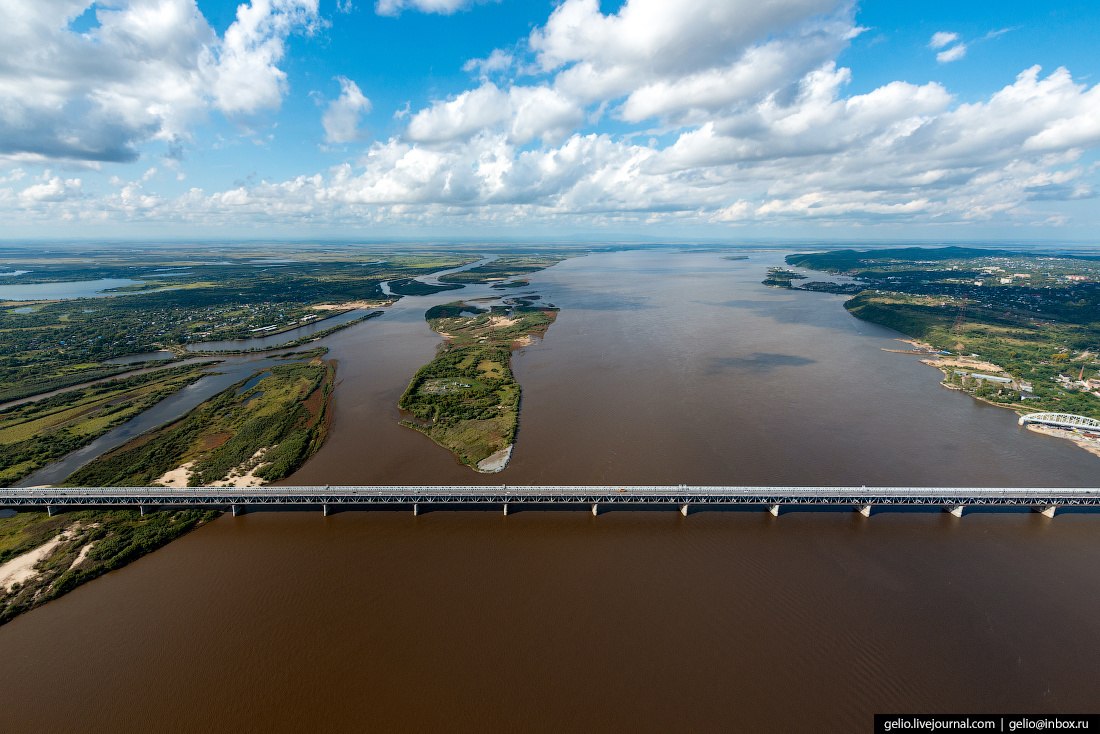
(474, 495)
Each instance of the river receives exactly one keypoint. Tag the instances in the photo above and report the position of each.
(661, 368)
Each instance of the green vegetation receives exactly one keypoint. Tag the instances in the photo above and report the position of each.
(410, 287)
(81, 546)
(504, 267)
(186, 295)
(252, 435)
(1035, 317)
(781, 277)
(300, 341)
(467, 399)
(522, 283)
(34, 434)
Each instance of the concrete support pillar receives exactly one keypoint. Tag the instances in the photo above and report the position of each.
(684, 509)
(324, 509)
(774, 510)
(506, 509)
(956, 510)
(595, 509)
(234, 510)
(416, 509)
(49, 510)
(1047, 510)
(864, 510)
(141, 510)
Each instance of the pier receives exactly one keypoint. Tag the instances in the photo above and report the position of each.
(683, 498)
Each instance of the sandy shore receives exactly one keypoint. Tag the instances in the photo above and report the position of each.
(350, 305)
(1088, 444)
(496, 462)
(21, 568)
(964, 362)
(177, 477)
(243, 475)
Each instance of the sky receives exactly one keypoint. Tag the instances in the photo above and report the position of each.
(575, 119)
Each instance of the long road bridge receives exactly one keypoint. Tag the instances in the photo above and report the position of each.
(681, 497)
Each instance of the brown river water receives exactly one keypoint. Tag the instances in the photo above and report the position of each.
(661, 368)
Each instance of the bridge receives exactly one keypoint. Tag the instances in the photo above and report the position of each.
(1061, 420)
(681, 497)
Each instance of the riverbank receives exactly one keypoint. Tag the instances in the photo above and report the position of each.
(1092, 445)
(43, 557)
(1009, 329)
(258, 430)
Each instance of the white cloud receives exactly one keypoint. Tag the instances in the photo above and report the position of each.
(246, 76)
(746, 115)
(148, 71)
(51, 189)
(954, 53)
(942, 38)
(341, 117)
(524, 113)
(442, 7)
(498, 61)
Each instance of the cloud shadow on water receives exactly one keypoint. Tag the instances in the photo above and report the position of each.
(759, 362)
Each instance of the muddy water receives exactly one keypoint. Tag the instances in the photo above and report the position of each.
(659, 369)
(541, 621)
(684, 369)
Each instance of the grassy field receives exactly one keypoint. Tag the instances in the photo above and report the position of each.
(81, 546)
(185, 295)
(467, 399)
(34, 434)
(258, 434)
(504, 267)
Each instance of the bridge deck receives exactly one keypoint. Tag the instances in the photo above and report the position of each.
(610, 494)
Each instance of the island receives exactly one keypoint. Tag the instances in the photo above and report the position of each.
(467, 398)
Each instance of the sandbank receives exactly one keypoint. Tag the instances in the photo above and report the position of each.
(495, 462)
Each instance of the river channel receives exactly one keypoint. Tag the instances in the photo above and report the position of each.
(661, 368)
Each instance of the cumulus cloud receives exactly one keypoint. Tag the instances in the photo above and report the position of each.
(745, 113)
(246, 76)
(523, 112)
(442, 7)
(341, 117)
(954, 53)
(942, 38)
(498, 61)
(148, 70)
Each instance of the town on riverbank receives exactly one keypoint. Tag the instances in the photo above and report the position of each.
(1017, 330)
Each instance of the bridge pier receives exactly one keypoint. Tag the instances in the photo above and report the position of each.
(595, 509)
(864, 510)
(416, 509)
(684, 509)
(235, 510)
(141, 510)
(49, 511)
(506, 509)
(955, 510)
(1046, 510)
(324, 509)
(774, 510)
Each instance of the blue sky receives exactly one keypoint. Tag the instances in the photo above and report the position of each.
(713, 119)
